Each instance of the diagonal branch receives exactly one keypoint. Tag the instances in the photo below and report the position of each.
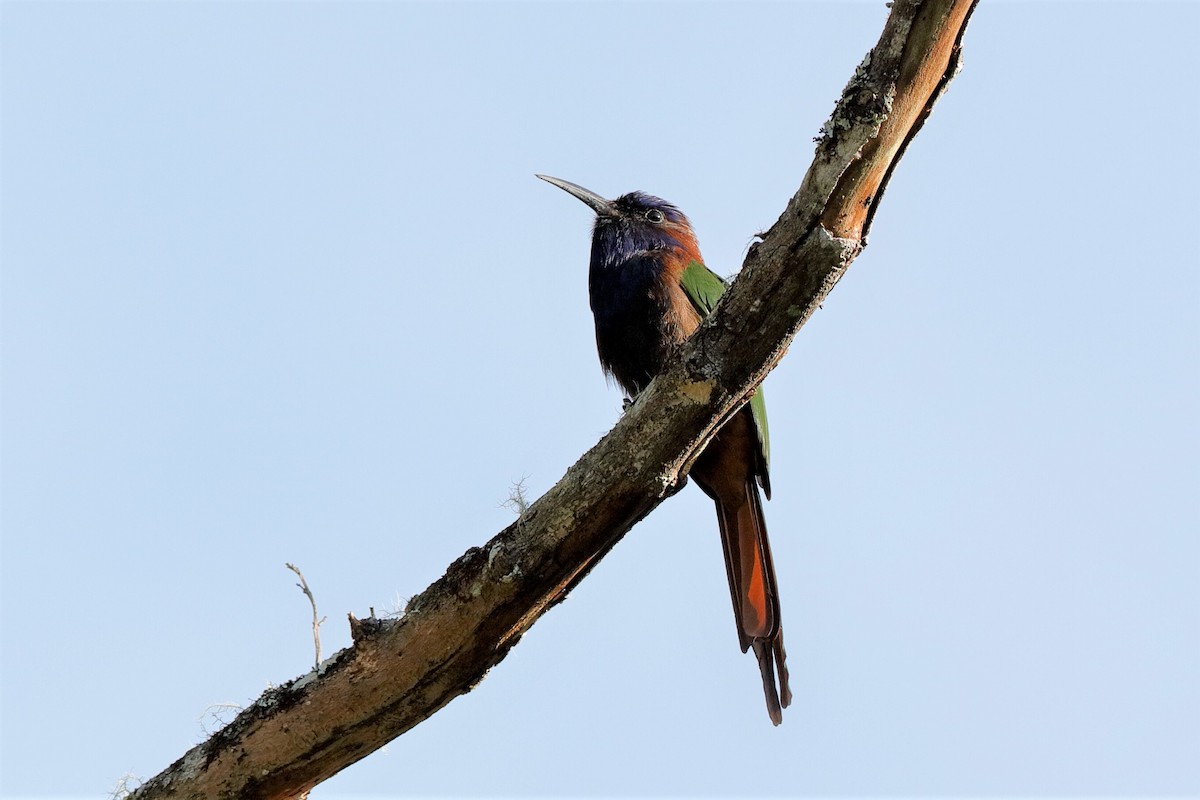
(400, 671)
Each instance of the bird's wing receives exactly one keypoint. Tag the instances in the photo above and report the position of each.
(704, 288)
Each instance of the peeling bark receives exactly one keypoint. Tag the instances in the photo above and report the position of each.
(398, 672)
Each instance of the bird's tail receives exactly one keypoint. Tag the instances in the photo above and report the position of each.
(754, 591)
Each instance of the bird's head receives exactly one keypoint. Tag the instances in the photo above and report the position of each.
(633, 225)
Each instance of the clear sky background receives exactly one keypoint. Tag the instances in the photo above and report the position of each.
(279, 285)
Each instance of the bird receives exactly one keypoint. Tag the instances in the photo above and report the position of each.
(649, 289)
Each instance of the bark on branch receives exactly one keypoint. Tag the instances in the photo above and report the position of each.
(400, 671)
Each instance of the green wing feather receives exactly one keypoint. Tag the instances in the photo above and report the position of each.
(704, 288)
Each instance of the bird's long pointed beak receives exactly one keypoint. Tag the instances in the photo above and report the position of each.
(598, 204)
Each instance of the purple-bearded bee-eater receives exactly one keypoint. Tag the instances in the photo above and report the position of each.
(649, 290)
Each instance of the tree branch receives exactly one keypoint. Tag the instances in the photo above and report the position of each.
(400, 671)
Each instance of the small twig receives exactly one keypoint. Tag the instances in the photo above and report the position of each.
(212, 720)
(396, 608)
(517, 499)
(125, 786)
(316, 622)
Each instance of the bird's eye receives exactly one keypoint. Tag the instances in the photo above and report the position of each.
(654, 215)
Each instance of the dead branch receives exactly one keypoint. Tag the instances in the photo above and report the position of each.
(316, 623)
(400, 671)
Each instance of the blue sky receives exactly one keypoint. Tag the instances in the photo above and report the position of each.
(279, 286)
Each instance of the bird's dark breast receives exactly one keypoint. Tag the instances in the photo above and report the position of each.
(632, 320)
